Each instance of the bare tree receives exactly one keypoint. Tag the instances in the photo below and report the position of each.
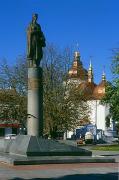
(61, 112)
(13, 88)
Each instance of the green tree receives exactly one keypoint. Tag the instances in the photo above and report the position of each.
(12, 107)
(112, 89)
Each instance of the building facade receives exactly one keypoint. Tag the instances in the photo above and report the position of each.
(84, 80)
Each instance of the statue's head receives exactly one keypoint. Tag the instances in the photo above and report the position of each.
(34, 17)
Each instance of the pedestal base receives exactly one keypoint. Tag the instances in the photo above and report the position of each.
(27, 145)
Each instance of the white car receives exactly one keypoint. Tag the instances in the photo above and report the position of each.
(10, 136)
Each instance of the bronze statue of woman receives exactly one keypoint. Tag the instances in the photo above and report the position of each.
(36, 41)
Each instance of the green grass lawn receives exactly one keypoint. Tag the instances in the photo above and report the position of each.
(107, 147)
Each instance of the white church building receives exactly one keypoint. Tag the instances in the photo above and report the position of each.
(84, 79)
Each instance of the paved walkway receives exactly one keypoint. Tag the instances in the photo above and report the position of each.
(77, 171)
(85, 171)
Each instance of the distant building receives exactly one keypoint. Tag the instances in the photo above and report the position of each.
(84, 81)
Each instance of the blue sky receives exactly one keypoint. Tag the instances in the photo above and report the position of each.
(93, 24)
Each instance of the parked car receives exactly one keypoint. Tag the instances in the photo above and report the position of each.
(10, 136)
(89, 138)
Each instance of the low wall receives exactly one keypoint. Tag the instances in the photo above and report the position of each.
(5, 144)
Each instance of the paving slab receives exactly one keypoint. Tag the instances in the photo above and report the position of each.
(23, 160)
(85, 171)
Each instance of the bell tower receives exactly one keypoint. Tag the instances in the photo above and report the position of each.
(90, 73)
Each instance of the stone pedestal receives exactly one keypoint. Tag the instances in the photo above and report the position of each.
(33, 144)
(35, 102)
(26, 145)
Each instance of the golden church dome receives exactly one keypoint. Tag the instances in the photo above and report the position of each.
(87, 88)
(77, 70)
(99, 90)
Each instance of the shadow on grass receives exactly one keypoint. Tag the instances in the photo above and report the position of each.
(108, 176)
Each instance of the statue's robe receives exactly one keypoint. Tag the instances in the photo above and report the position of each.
(36, 41)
